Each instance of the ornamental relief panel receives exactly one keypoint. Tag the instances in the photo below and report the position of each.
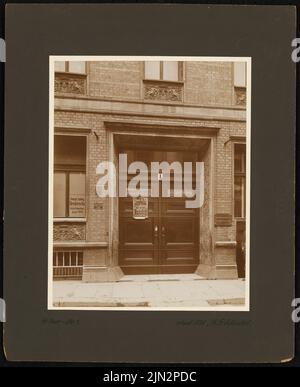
(65, 83)
(69, 232)
(163, 92)
(240, 96)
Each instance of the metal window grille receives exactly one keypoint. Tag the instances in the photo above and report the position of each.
(67, 264)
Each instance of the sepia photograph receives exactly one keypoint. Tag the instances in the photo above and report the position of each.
(149, 196)
(149, 183)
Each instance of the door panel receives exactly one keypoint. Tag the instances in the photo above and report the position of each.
(166, 241)
(178, 231)
(179, 236)
(138, 238)
(144, 236)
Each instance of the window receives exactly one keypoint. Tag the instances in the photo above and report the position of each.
(67, 264)
(60, 190)
(69, 176)
(239, 74)
(152, 70)
(69, 194)
(163, 70)
(239, 180)
(77, 67)
(67, 258)
(170, 71)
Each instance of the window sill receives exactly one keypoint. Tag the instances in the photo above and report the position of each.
(69, 220)
(163, 81)
(229, 244)
(70, 73)
(79, 244)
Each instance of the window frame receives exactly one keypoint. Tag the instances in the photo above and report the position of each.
(67, 171)
(67, 66)
(161, 72)
(74, 168)
(235, 85)
(243, 175)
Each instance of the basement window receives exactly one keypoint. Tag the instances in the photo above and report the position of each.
(67, 264)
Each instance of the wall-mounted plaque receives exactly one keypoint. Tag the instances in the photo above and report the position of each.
(140, 208)
(98, 206)
(224, 220)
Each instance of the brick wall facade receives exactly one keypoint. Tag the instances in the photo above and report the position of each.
(111, 79)
(208, 84)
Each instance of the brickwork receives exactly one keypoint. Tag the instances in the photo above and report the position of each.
(94, 257)
(208, 83)
(115, 79)
(205, 230)
(224, 175)
(124, 80)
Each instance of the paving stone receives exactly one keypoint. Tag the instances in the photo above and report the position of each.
(151, 291)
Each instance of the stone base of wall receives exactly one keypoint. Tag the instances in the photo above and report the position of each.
(101, 274)
(226, 272)
(225, 262)
(225, 258)
(206, 271)
(217, 272)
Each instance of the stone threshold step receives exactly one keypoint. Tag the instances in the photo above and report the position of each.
(160, 277)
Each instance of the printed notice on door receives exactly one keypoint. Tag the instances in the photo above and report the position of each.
(140, 208)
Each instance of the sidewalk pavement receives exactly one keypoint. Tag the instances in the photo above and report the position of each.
(184, 290)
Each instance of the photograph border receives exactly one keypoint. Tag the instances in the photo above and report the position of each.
(87, 58)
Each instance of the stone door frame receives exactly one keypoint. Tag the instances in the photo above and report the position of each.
(116, 129)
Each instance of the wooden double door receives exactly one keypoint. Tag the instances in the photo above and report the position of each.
(158, 235)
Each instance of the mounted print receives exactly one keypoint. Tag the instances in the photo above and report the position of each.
(164, 143)
(149, 184)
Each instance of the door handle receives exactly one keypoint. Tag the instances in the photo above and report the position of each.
(155, 231)
(163, 231)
